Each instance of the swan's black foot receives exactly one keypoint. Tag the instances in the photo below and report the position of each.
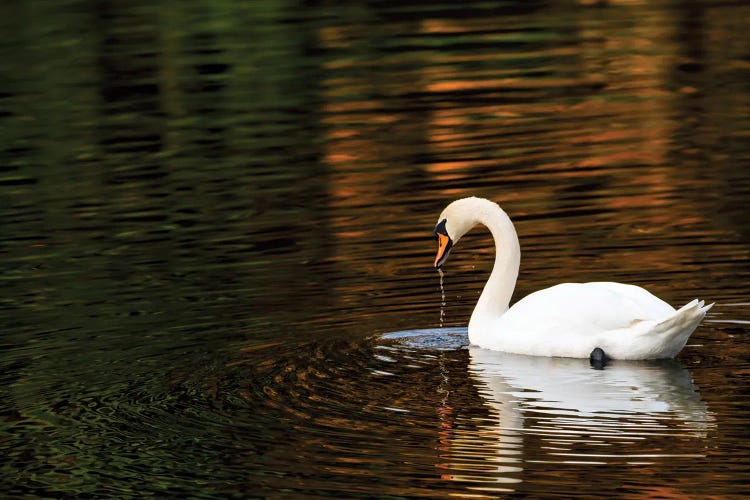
(598, 359)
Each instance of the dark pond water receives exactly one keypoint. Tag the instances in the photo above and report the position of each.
(217, 253)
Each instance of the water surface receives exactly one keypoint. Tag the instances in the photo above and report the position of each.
(217, 258)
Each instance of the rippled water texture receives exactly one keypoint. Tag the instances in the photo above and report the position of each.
(216, 244)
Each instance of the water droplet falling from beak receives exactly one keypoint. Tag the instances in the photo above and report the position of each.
(442, 298)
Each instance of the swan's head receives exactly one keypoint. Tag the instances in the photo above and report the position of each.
(455, 221)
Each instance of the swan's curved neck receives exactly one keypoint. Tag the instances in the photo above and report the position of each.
(497, 293)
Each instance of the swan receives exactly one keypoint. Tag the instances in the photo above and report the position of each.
(567, 320)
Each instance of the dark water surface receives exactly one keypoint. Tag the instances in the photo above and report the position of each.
(214, 215)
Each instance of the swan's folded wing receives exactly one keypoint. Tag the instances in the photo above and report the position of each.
(569, 318)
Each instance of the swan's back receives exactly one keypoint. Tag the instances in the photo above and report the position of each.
(588, 307)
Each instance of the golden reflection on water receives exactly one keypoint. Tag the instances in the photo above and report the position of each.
(599, 124)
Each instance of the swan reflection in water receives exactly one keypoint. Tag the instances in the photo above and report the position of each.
(579, 415)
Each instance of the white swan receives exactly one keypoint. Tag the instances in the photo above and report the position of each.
(567, 320)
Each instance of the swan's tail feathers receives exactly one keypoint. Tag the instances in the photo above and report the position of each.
(677, 328)
(697, 306)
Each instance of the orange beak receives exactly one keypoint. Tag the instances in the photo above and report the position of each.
(444, 246)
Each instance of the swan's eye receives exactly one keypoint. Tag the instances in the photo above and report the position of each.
(440, 229)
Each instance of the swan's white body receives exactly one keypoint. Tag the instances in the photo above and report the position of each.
(566, 320)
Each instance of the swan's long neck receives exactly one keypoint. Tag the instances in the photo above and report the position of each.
(497, 293)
